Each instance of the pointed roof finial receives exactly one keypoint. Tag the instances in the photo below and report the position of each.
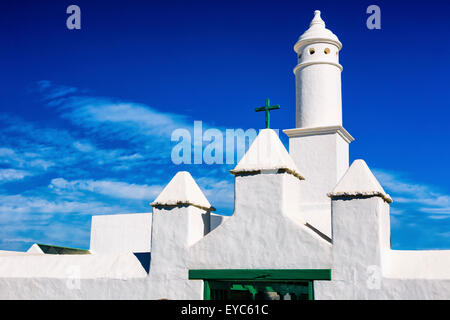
(182, 190)
(267, 152)
(359, 181)
(317, 33)
(317, 19)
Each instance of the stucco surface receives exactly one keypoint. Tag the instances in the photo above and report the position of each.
(359, 181)
(316, 31)
(270, 225)
(318, 95)
(182, 189)
(267, 153)
(11, 253)
(174, 231)
(418, 264)
(389, 289)
(323, 157)
(138, 288)
(121, 233)
(261, 233)
(119, 266)
(364, 265)
(35, 249)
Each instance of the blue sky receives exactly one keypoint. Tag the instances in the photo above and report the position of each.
(86, 115)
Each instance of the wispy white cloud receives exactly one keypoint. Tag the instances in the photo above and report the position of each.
(7, 175)
(395, 183)
(83, 146)
(114, 189)
(6, 153)
(396, 211)
(445, 210)
(425, 198)
(37, 150)
(117, 119)
(109, 156)
(219, 192)
(14, 206)
(24, 160)
(439, 217)
(51, 91)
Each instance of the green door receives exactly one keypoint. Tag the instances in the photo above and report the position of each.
(258, 290)
(259, 284)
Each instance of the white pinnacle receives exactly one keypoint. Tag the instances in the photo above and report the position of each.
(317, 32)
(317, 19)
(182, 190)
(267, 153)
(35, 249)
(359, 181)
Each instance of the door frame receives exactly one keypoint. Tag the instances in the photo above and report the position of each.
(295, 275)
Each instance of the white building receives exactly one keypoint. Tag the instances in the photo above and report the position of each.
(305, 225)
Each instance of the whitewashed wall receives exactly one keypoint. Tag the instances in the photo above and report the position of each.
(321, 155)
(365, 267)
(262, 233)
(121, 233)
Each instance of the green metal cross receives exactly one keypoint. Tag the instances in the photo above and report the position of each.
(267, 109)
